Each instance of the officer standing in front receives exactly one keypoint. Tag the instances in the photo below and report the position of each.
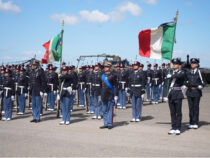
(175, 96)
(37, 87)
(195, 81)
(107, 95)
(137, 85)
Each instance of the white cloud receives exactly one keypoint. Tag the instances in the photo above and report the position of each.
(150, 2)
(9, 7)
(131, 8)
(94, 16)
(69, 19)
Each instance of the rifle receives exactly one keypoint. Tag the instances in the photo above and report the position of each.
(1, 106)
(16, 96)
(86, 101)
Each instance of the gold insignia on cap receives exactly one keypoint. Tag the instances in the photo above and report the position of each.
(193, 59)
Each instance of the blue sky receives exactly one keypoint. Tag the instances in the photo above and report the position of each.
(100, 26)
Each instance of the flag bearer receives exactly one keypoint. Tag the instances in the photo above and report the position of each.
(175, 96)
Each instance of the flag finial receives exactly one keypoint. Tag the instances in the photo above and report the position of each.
(177, 13)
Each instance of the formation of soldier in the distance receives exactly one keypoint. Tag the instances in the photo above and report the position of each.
(100, 88)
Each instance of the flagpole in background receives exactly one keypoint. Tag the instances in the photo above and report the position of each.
(61, 58)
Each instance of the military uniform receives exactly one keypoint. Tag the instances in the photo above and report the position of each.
(107, 96)
(137, 85)
(96, 91)
(81, 86)
(175, 97)
(37, 87)
(66, 92)
(52, 85)
(22, 90)
(9, 92)
(195, 81)
(156, 81)
(149, 73)
(163, 85)
(123, 84)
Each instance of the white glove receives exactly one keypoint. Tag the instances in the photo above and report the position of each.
(115, 98)
(200, 87)
(99, 98)
(169, 76)
(45, 94)
(84, 90)
(126, 89)
(74, 91)
(41, 94)
(13, 97)
(160, 86)
(1, 92)
(183, 87)
(150, 84)
(26, 94)
(28, 88)
(69, 89)
(58, 97)
(54, 92)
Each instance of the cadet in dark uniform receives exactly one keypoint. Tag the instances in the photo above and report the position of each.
(163, 85)
(66, 92)
(89, 76)
(96, 91)
(156, 80)
(175, 96)
(107, 95)
(123, 83)
(22, 90)
(149, 73)
(137, 84)
(52, 82)
(9, 92)
(81, 86)
(37, 87)
(195, 81)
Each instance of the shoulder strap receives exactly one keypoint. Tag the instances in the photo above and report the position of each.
(199, 72)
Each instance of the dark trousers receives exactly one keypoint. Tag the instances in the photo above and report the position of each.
(175, 107)
(193, 103)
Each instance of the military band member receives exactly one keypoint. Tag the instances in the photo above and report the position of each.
(37, 87)
(175, 96)
(22, 90)
(195, 81)
(96, 91)
(156, 81)
(107, 95)
(137, 85)
(9, 92)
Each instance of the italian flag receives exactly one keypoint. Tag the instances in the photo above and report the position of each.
(158, 43)
(53, 49)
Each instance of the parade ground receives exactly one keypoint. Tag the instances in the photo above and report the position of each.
(83, 138)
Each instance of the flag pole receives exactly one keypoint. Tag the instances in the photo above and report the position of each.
(61, 58)
(59, 90)
(175, 20)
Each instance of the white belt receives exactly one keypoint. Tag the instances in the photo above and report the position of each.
(89, 83)
(51, 86)
(16, 85)
(21, 89)
(7, 88)
(81, 83)
(123, 84)
(136, 85)
(97, 85)
(155, 80)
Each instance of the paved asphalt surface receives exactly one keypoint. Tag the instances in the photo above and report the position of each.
(83, 138)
